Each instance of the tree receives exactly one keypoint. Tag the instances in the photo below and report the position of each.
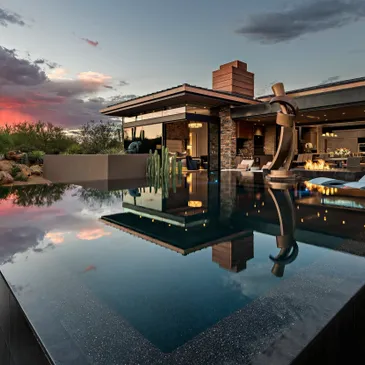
(96, 137)
(40, 136)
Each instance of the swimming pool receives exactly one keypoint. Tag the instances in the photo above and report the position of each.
(219, 269)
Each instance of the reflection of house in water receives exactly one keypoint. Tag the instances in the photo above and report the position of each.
(233, 255)
(186, 222)
(224, 216)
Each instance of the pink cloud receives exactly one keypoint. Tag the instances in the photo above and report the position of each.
(90, 42)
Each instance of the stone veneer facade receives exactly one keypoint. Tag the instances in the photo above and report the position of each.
(228, 139)
(270, 140)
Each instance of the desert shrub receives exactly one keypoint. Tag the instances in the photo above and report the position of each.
(113, 151)
(75, 149)
(36, 157)
(15, 170)
(20, 177)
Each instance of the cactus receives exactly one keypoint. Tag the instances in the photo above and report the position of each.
(149, 164)
(179, 168)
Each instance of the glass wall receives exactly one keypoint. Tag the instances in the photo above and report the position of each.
(150, 137)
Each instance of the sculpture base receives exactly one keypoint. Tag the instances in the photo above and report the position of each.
(281, 176)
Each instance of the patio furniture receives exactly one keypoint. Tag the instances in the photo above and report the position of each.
(356, 184)
(327, 181)
(338, 161)
(191, 164)
(353, 163)
(245, 165)
(204, 162)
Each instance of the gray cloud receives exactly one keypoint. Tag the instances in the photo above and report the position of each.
(303, 18)
(330, 80)
(18, 240)
(42, 61)
(14, 70)
(8, 17)
(122, 83)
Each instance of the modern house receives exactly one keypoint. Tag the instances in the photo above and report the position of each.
(228, 123)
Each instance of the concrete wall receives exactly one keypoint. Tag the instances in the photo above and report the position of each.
(83, 168)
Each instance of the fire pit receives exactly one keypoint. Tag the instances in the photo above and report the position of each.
(319, 165)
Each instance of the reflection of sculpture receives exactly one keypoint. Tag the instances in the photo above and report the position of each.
(134, 147)
(285, 118)
(288, 247)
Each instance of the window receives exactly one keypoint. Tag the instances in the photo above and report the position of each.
(150, 137)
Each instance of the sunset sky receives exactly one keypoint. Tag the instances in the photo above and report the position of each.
(61, 61)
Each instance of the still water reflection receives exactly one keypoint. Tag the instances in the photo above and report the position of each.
(173, 267)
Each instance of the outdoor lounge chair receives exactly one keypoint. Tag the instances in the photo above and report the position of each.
(356, 184)
(245, 165)
(326, 181)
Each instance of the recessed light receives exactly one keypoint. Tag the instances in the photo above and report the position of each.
(325, 115)
(343, 113)
(326, 120)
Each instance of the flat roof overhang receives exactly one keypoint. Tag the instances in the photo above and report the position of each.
(339, 105)
(173, 118)
(184, 94)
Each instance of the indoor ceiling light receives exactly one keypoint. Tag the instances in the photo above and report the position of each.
(195, 125)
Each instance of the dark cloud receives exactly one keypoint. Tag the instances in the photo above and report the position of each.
(122, 83)
(42, 61)
(14, 70)
(302, 18)
(330, 80)
(90, 42)
(8, 17)
(108, 87)
(14, 241)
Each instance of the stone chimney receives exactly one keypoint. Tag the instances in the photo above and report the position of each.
(234, 78)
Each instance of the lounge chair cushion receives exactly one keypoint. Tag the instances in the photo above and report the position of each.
(247, 162)
(243, 166)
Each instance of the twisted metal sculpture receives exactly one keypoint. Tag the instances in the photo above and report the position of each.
(285, 118)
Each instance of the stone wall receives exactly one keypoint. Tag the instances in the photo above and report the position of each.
(228, 139)
(213, 146)
(270, 140)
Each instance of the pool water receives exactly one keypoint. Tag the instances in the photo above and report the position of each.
(138, 275)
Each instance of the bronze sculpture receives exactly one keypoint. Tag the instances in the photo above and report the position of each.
(285, 118)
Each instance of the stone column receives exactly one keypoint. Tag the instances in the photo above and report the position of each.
(228, 139)
(213, 146)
